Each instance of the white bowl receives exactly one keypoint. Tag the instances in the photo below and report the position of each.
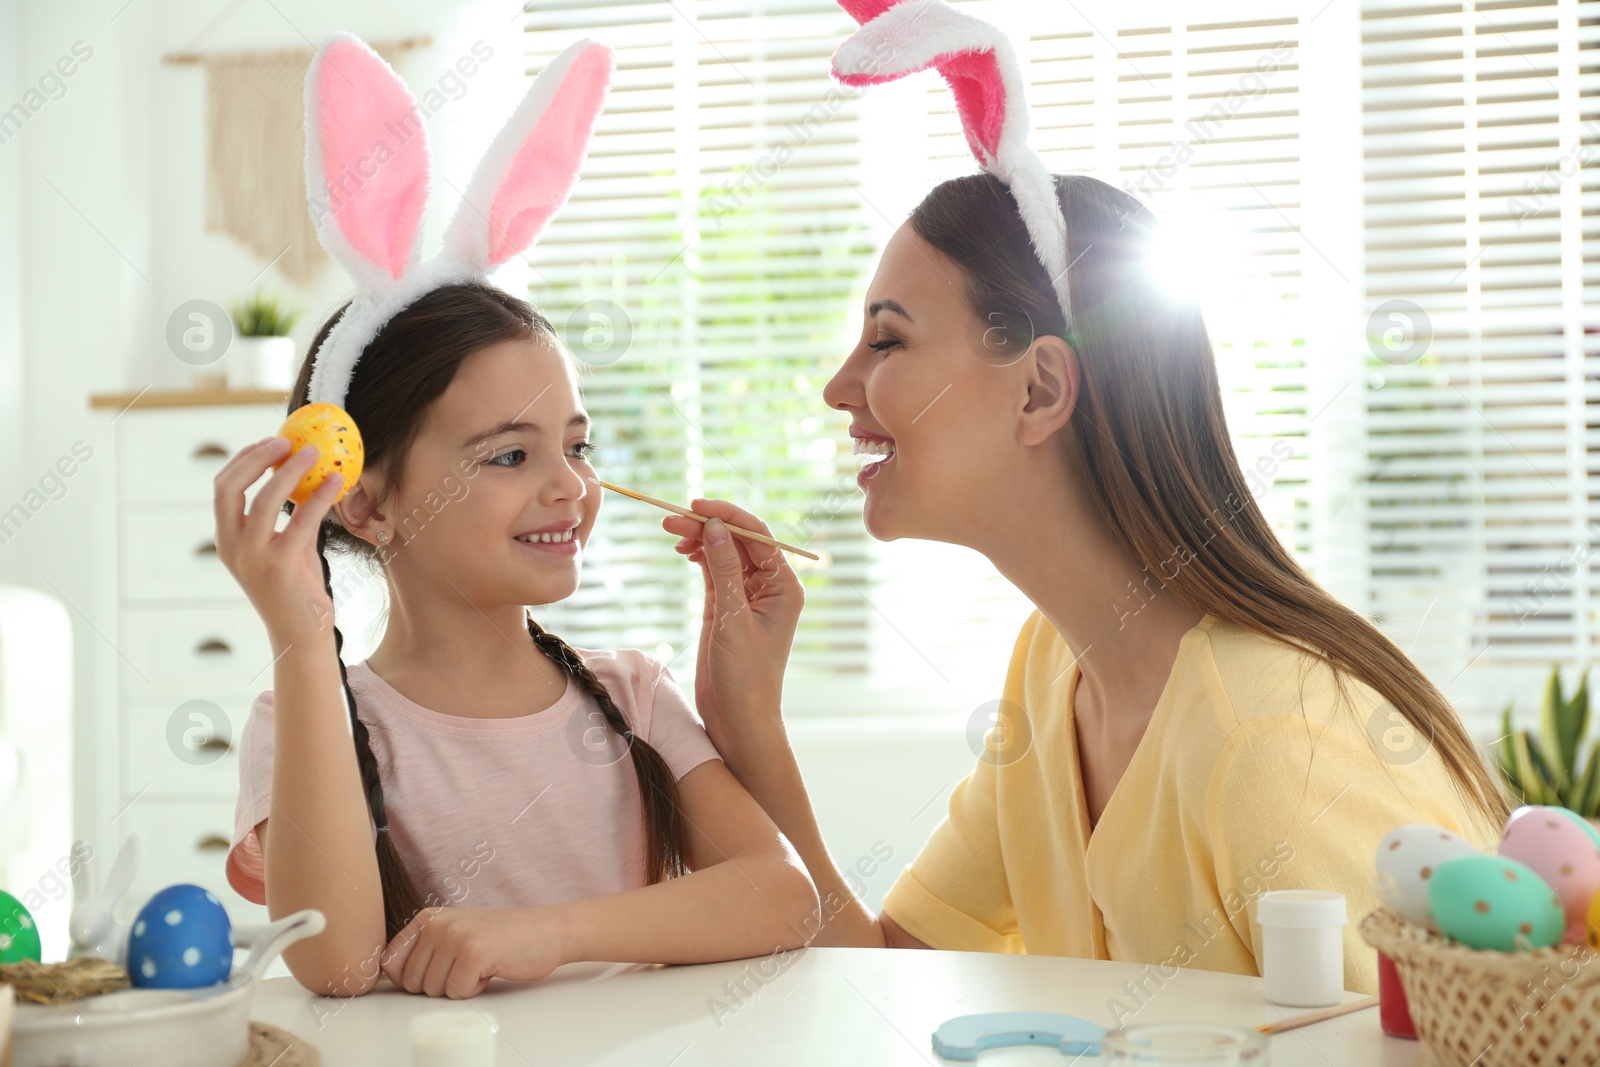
(206, 1027)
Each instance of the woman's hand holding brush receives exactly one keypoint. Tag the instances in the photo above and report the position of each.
(753, 602)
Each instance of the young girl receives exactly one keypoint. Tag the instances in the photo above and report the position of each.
(471, 745)
(477, 798)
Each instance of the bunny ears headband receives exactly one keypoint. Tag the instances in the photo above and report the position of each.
(367, 175)
(977, 61)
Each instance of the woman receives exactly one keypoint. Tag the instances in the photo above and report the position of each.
(1196, 720)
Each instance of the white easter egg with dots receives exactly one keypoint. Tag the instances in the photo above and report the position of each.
(181, 939)
(1406, 859)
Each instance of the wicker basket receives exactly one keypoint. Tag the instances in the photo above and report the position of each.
(1476, 1008)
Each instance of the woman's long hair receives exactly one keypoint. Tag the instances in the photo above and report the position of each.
(1150, 427)
(400, 374)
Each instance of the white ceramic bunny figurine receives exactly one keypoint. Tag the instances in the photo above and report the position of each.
(94, 929)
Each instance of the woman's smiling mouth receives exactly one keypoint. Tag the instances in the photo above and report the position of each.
(880, 449)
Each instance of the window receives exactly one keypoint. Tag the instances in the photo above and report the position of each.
(1479, 228)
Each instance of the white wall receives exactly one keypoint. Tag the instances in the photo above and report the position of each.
(11, 428)
(879, 787)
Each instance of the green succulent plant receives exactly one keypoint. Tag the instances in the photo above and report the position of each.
(1546, 769)
(263, 316)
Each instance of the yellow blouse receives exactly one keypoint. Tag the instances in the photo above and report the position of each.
(1252, 775)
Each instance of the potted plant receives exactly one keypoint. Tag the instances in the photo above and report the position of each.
(262, 353)
(1551, 768)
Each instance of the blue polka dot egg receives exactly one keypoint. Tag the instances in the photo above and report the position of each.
(181, 939)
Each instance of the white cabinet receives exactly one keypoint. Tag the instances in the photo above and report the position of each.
(183, 653)
(210, 646)
(169, 552)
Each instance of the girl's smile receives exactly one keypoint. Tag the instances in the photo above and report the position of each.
(560, 538)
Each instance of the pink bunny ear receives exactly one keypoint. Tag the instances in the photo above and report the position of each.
(974, 57)
(530, 168)
(366, 161)
(864, 11)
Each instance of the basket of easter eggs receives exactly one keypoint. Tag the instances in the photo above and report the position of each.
(1497, 954)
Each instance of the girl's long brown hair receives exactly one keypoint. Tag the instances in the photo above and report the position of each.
(400, 374)
(1150, 427)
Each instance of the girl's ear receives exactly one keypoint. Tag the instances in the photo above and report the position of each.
(529, 169)
(358, 511)
(366, 161)
(1052, 383)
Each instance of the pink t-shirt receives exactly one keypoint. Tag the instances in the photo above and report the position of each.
(499, 813)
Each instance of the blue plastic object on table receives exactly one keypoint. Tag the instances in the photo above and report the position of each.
(963, 1037)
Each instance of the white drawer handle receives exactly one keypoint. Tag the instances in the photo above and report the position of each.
(210, 450)
(213, 646)
(206, 548)
(212, 843)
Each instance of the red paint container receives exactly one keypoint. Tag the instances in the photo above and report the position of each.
(1394, 1015)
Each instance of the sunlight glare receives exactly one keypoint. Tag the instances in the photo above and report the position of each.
(1175, 259)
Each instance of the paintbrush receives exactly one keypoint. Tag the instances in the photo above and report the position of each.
(1294, 1022)
(737, 531)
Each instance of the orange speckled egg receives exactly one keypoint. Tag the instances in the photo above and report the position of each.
(331, 429)
(1594, 923)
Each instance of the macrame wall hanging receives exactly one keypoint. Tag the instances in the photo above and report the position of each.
(255, 187)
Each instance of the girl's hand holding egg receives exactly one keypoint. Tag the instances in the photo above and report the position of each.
(333, 434)
(279, 570)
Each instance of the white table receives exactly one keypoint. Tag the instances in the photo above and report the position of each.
(831, 1006)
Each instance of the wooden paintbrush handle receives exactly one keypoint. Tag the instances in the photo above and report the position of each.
(738, 531)
(1294, 1022)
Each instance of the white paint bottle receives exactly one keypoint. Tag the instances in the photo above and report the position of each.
(462, 1037)
(1302, 946)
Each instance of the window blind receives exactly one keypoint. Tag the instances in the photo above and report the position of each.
(1479, 228)
(737, 279)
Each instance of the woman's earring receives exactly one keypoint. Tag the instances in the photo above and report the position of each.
(383, 535)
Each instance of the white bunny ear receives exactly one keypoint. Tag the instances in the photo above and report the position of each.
(366, 161)
(367, 180)
(974, 57)
(900, 37)
(367, 173)
(529, 169)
